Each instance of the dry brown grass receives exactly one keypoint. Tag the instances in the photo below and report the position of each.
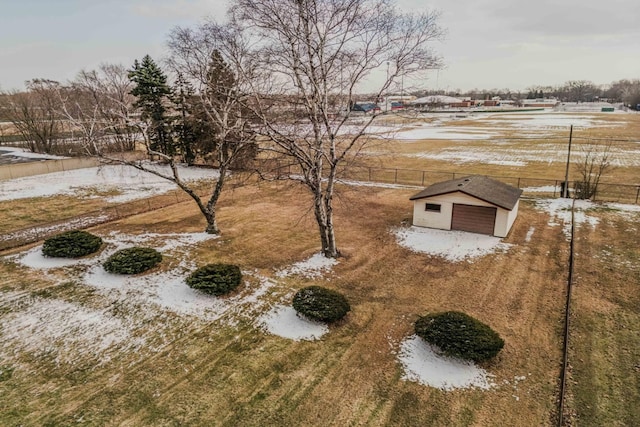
(622, 133)
(229, 373)
(604, 387)
(232, 374)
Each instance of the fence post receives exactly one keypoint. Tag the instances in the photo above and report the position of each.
(518, 182)
(369, 173)
(555, 186)
(395, 177)
(637, 194)
(423, 178)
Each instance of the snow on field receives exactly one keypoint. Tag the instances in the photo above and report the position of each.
(423, 365)
(33, 258)
(451, 245)
(127, 182)
(25, 154)
(311, 268)
(542, 189)
(544, 121)
(371, 130)
(444, 132)
(285, 322)
(69, 330)
(63, 330)
(547, 153)
(560, 212)
(624, 208)
(375, 184)
(68, 225)
(474, 155)
(529, 235)
(166, 289)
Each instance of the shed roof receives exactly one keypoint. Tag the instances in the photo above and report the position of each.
(478, 186)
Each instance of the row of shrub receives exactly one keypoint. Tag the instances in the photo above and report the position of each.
(215, 279)
(456, 334)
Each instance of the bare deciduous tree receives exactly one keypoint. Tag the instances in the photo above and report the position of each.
(206, 58)
(105, 100)
(35, 114)
(224, 136)
(597, 161)
(314, 52)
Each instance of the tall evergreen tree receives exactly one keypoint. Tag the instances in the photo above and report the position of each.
(152, 91)
(185, 126)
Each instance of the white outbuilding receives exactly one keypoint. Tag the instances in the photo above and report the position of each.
(474, 203)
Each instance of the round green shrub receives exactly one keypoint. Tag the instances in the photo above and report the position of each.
(132, 260)
(215, 279)
(321, 304)
(71, 244)
(459, 335)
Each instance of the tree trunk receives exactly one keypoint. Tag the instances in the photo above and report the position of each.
(324, 218)
(212, 224)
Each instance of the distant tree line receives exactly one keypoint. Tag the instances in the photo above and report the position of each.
(622, 91)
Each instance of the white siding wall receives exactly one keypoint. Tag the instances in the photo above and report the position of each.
(442, 219)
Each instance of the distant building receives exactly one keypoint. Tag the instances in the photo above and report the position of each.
(365, 107)
(442, 101)
(540, 102)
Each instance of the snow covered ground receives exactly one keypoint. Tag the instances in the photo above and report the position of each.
(541, 152)
(424, 365)
(547, 121)
(285, 322)
(21, 154)
(70, 331)
(453, 246)
(443, 132)
(560, 213)
(127, 183)
(311, 268)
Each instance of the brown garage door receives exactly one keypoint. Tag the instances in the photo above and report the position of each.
(477, 219)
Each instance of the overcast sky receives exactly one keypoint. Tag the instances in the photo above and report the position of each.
(489, 43)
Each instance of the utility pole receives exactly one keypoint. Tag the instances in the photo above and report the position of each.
(565, 193)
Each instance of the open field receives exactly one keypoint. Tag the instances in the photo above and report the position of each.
(604, 387)
(79, 347)
(510, 144)
(92, 354)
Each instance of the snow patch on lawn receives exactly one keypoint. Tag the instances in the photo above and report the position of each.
(444, 132)
(68, 225)
(452, 245)
(547, 121)
(68, 331)
(128, 182)
(623, 208)
(543, 189)
(529, 235)
(33, 258)
(560, 212)
(63, 330)
(285, 322)
(25, 154)
(312, 268)
(424, 365)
